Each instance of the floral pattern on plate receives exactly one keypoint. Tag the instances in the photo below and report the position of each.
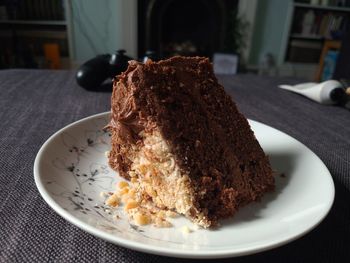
(71, 170)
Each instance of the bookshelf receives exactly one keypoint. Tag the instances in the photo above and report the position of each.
(310, 25)
(301, 36)
(34, 22)
(322, 7)
(36, 33)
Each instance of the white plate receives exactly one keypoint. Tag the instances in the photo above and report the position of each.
(71, 171)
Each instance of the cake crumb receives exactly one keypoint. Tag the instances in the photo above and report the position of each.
(130, 205)
(161, 213)
(141, 219)
(112, 201)
(123, 184)
(139, 210)
(196, 227)
(161, 222)
(185, 230)
(104, 194)
(171, 214)
(124, 191)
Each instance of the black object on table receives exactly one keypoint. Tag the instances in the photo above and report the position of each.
(95, 71)
(36, 103)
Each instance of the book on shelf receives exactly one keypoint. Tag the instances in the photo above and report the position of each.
(33, 10)
(17, 45)
(38, 38)
(340, 3)
(24, 40)
(327, 24)
(331, 3)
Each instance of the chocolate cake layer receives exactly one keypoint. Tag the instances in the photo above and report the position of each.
(179, 103)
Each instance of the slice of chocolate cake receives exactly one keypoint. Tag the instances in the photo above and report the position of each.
(180, 136)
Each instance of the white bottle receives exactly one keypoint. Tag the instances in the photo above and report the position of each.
(327, 92)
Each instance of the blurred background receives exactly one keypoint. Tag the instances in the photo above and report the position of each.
(306, 38)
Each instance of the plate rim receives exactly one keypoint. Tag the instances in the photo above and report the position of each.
(171, 252)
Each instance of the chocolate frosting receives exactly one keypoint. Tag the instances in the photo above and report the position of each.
(211, 140)
(126, 119)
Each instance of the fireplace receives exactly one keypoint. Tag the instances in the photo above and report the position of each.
(184, 27)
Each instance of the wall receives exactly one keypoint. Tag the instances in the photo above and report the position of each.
(269, 29)
(104, 26)
(101, 27)
(270, 35)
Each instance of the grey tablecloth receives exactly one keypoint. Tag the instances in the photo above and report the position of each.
(35, 104)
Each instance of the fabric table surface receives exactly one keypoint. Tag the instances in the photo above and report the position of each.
(36, 103)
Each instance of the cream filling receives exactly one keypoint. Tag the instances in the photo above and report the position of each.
(159, 176)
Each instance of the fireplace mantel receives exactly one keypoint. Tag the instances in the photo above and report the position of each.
(129, 34)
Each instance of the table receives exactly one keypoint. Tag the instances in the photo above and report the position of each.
(36, 103)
